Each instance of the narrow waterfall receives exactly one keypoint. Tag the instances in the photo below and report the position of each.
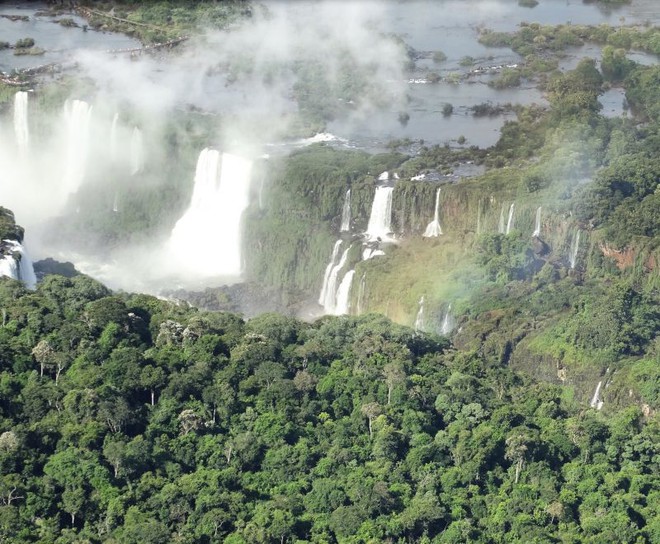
(361, 293)
(370, 252)
(447, 323)
(479, 218)
(343, 306)
(537, 223)
(17, 268)
(208, 237)
(419, 320)
(346, 213)
(596, 401)
(114, 148)
(575, 247)
(137, 151)
(77, 115)
(115, 203)
(381, 214)
(330, 299)
(433, 229)
(509, 223)
(21, 129)
(328, 271)
(501, 226)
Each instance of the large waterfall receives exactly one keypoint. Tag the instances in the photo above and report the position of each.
(208, 237)
(433, 229)
(328, 271)
(77, 115)
(575, 247)
(537, 223)
(381, 214)
(330, 293)
(17, 268)
(346, 213)
(21, 129)
(137, 151)
(343, 305)
(509, 223)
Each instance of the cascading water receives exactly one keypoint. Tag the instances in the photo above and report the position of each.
(433, 229)
(115, 203)
(596, 401)
(346, 213)
(21, 129)
(380, 220)
(370, 252)
(331, 291)
(501, 226)
(361, 293)
(537, 223)
(137, 151)
(77, 115)
(209, 235)
(479, 218)
(343, 306)
(419, 320)
(575, 247)
(447, 323)
(18, 269)
(328, 271)
(509, 223)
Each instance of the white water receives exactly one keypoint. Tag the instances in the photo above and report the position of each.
(419, 320)
(575, 246)
(137, 151)
(433, 229)
(501, 227)
(115, 203)
(331, 292)
(21, 129)
(207, 239)
(384, 176)
(343, 306)
(479, 218)
(328, 271)
(537, 223)
(381, 214)
(18, 269)
(369, 253)
(77, 115)
(346, 213)
(361, 291)
(509, 223)
(596, 401)
(447, 323)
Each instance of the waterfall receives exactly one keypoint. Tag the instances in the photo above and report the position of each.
(381, 214)
(361, 291)
(328, 271)
(17, 268)
(208, 236)
(537, 223)
(115, 203)
(346, 213)
(509, 223)
(419, 320)
(137, 151)
(370, 252)
(500, 227)
(261, 193)
(113, 138)
(343, 306)
(575, 246)
(21, 129)
(331, 291)
(77, 115)
(596, 401)
(447, 323)
(479, 218)
(433, 229)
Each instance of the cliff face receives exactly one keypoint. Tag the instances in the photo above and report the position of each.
(14, 261)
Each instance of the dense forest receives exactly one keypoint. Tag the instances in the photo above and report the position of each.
(133, 420)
